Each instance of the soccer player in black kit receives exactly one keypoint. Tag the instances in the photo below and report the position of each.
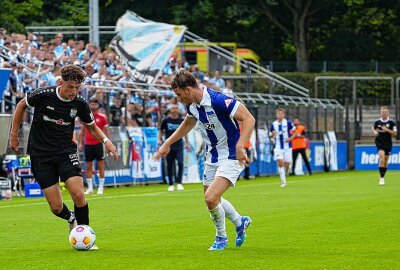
(52, 151)
(383, 129)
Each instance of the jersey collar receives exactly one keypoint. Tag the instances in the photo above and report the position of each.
(387, 120)
(206, 100)
(60, 97)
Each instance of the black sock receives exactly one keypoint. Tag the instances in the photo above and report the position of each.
(382, 171)
(82, 214)
(64, 214)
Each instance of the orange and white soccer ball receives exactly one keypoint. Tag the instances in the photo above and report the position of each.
(82, 237)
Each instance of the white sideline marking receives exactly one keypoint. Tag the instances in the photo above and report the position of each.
(174, 193)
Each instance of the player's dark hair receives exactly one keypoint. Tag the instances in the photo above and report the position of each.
(73, 73)
(183, 79)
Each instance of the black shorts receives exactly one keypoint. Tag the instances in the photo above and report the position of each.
(94, 152)
(385, 147)
(49, 170)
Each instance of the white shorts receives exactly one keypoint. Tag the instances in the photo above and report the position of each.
(283, 154)
(229, 169)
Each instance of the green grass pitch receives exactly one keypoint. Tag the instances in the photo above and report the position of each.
(341, 220)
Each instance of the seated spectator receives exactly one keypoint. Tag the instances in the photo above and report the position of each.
(218, 81)
(227, 91)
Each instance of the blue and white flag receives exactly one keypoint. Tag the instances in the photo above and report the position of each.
(144, 47)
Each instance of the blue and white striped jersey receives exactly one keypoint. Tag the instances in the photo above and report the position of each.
(217, 125)
(282, 133)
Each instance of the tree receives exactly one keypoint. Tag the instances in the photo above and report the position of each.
(294, 18)
(15, 14)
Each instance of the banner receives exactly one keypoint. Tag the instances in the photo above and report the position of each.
(137, 153)
(152, 168)
(144, 47)
(118, 172)
(191, 173)
(366, 158)
(4, 76)
(333, 161)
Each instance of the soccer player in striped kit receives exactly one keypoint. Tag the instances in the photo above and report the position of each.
(218, 117)
(280, 131)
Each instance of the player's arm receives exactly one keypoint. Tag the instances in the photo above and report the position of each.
(107, 131)
(375, 132)
(96, 132)
(292, 137)
(182, 130)
(390, 131)
(81, 135)
(187, 143)
(16, 122)
(246, 118)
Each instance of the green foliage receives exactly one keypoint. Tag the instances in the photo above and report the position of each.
(68, 13)
(15, 15)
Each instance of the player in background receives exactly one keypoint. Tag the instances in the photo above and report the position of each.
(383, 130)
(52, 151)
(299, 145)
(93, 148)
(280, 131)
(218, 117)
(168, 127)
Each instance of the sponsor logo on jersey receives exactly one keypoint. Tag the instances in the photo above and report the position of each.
(58, 122)
(50, 108)
(73, 113)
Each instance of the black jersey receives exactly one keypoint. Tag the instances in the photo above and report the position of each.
(384, 137)
(54, 121)
(168, 126)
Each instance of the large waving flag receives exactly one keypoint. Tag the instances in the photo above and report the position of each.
(144, 47)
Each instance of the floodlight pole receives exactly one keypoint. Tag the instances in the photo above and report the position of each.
(94, 36)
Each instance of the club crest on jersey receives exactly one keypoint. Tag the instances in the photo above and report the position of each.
(73, 113)
(228, 102)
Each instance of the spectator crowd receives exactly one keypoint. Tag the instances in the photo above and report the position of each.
(36, 62)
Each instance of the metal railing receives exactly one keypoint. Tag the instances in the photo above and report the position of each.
(354, 79)
(258, 98)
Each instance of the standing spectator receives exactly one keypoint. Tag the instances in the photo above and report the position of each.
(116, 112)
(299, 145)
(93, 148)
(9, 89)
(168, 127)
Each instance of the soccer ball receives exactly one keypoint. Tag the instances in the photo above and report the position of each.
(82, 237)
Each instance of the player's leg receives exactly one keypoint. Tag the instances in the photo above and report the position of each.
(170, 169)
(101, 167)
(89, 157)
(305, 158)
(70, 173)
(278, 157)
(287, 159)
(382, 166)
(212, 198)
(47, 177)
(179, 159)
(75, 188)
(295, 154)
